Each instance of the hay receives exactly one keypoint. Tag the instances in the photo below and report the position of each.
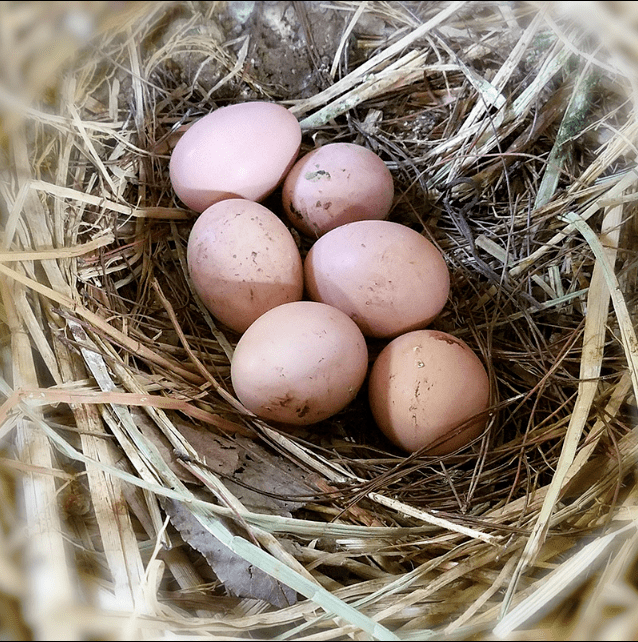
(511, 133)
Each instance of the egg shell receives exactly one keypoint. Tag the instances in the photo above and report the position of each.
(386, 276)
(243, 261)
(336, 184)
(423, 386)
(239, 151)
(299, 363)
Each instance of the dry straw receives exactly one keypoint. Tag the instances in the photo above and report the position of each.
(141, 501)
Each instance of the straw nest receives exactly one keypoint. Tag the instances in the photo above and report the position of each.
(139, 500)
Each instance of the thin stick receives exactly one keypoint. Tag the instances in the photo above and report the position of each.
(360, 73)
(58, 253)
(108, 204)
(346, 34)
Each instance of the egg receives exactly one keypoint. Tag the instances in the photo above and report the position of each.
(239, 151)
(243, 261)
(423, 387)
(386, 276)
(336, 184)
(299, 363)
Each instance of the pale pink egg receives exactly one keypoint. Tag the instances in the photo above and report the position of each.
(239, 151)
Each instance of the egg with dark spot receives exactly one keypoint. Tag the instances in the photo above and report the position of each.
(243, 261)
(428, 389)
(299, 363)
(336, 184)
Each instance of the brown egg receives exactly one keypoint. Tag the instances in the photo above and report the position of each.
(336, 184)
(385, 276)
(243, 261)
(423, 386)
(299, 363)
(239, 151)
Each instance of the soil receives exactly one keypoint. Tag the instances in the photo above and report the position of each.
(291, 46)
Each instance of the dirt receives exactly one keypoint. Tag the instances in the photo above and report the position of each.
(291, 46)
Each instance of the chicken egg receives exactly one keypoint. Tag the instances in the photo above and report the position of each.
(299, 363)
(425, 388)
(243, 261)
(336, 184)
(239, 151)
(386, 276)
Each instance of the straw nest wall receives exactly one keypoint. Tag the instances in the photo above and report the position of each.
(139, 500)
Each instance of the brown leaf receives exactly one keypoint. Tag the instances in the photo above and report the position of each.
(238, 576)
(245, 467)
(259, 470)
(220, 454)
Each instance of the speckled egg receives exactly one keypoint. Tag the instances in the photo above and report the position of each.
(243, 261)
(428, 388)
(386, 276)
(336, 184)
(299, 363)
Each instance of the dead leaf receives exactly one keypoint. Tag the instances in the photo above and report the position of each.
(219, 453)
(240, 578)
(286, 483)
(244, 466)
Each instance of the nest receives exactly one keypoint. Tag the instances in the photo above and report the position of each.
(140, 500)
